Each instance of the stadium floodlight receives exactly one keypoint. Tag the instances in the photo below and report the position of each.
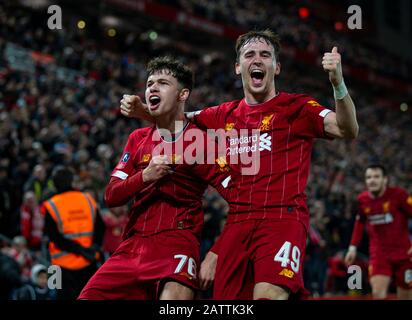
(81, 24)
(153, 35)
(111, 32)
(404, 107)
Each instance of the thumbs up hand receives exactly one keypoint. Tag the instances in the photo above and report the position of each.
(331, 63)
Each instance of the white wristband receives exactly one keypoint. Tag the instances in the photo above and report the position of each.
(352, 249)
(340, 91)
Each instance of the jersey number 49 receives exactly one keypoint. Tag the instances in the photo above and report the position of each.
(285, 252)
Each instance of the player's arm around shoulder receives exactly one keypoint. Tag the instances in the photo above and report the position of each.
(213, 117)
(343, 122)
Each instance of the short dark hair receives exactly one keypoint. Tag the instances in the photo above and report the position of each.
(62, 178)
(377, 166)
(180, 71)
(268, 35)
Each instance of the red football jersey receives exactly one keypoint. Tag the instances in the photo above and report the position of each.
(174, 201)
(386, 218)
(287, 125)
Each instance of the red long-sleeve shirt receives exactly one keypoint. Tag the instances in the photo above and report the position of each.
(288, 124)
(31, 224)
(386, 219)
(174, 201)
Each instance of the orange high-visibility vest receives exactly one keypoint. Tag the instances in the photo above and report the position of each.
(74, 213)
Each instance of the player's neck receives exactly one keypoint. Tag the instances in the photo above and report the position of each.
(172, 122)
(378, 194)
(259, 98)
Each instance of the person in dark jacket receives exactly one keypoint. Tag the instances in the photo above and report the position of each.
(75, 230)
(37, 288)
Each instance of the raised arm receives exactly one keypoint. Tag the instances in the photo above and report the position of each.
(343, 123)
(132, 106)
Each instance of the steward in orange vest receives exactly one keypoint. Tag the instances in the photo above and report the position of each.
(75, 230)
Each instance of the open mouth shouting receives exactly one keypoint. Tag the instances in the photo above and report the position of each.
(257, 76)
(154, 102)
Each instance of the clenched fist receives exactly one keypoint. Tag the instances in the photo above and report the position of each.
(157, 169)
(331, 63)
(133, 107)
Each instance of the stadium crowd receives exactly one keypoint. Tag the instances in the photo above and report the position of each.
(64, 110)
(283, 17)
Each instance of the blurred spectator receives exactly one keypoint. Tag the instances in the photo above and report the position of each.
(215, 208)
(32, 221)
(20, 253)
(115, 219)
(337, 275)
(315, 263)
(38, 183)
(10, 276)
(10, 201)
(36, 288)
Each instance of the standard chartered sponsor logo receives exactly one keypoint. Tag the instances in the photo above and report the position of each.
(380, 218)
(242, 144)
(193, 146)
(244, 140)
(265, 142)
(250, 144)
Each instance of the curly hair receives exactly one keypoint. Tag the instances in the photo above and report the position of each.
(180, 71)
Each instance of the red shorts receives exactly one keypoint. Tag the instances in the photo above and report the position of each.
(400, 269)
(141, 265)
(254, 251)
